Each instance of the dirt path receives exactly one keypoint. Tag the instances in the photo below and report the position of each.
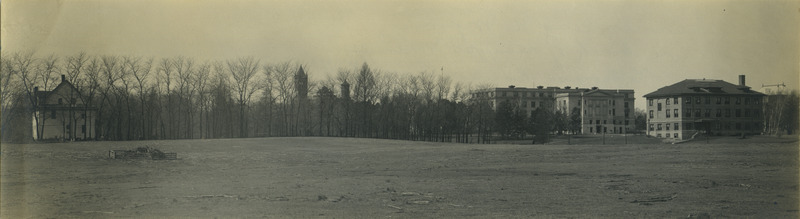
(367, 178)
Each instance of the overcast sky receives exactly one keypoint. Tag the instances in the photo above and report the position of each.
(640, 45)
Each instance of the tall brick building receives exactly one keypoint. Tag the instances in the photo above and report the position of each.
(692, 106)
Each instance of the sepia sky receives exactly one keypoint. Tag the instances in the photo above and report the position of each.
(641, 45)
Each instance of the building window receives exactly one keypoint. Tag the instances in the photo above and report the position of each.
(667, 127)
(697, 113)
(738, 100)
(719, 113)
(659, 106)
(590, 122)
(746, 100)
(677, 126)
(626, 104)
(746, 112)
(667, 113)
(658, 127)
(651, 114)
(687, 100)
(697, 100)
(687, 113)
(675, 113)
(708, 113)
(727, 100)
(651, 127)
(708, 100)
(613, 112)
(83, 128)
(676, 135)
(719, 100)
(675, 101)
(60, 101)
(524, 104)
(667, 101)
(604, 122)
(727, 112)
(650, 101)
(738, 113)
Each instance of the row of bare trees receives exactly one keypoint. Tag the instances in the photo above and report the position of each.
(181, 98)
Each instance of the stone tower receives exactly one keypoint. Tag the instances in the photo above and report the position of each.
(301, 83)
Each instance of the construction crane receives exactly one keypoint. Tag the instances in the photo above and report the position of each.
(781, 85)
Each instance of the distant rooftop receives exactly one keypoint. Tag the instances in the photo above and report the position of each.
(702, 87)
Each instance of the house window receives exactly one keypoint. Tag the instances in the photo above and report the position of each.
(667, 101)
(650, 101)
(719, 100)
(659, 106)
(719, 113)
(697, 113)
(676, 135)
(738, 100)
(651, 127)
(667, 113)
(651, 114)
(675, 113)
(658, 127)
(697, 100)
(738, 113)
(727, 100)
(613, 112)
(688, 100)
(746, 112)
(667, 127)
(675, 101)
(60, 101)
(708, 113)
(727, 112)
(677, 126)
(533, 104)
(708, 100)
(687, 113)
(746, 100)
(626, 104)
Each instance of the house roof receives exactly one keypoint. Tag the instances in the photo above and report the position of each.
(702, 87)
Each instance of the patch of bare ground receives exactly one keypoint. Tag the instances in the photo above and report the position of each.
(369, 178)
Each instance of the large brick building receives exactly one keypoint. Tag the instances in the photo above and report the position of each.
(601, 110)
(692, 106)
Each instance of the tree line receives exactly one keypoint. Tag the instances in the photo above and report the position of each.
(140, 98)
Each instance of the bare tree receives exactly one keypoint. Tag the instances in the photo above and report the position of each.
(243, 71)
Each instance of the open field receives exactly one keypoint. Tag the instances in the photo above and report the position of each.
(369, 178)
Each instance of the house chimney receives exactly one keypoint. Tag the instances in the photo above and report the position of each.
(63, 78)
(741, 80)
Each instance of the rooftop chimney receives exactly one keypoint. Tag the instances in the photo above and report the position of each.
(741, 80)
(63, 78)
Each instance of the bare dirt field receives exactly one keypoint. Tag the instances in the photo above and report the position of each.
(368, 178)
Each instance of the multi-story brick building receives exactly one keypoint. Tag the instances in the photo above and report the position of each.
(601, 110)
(692, 106)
